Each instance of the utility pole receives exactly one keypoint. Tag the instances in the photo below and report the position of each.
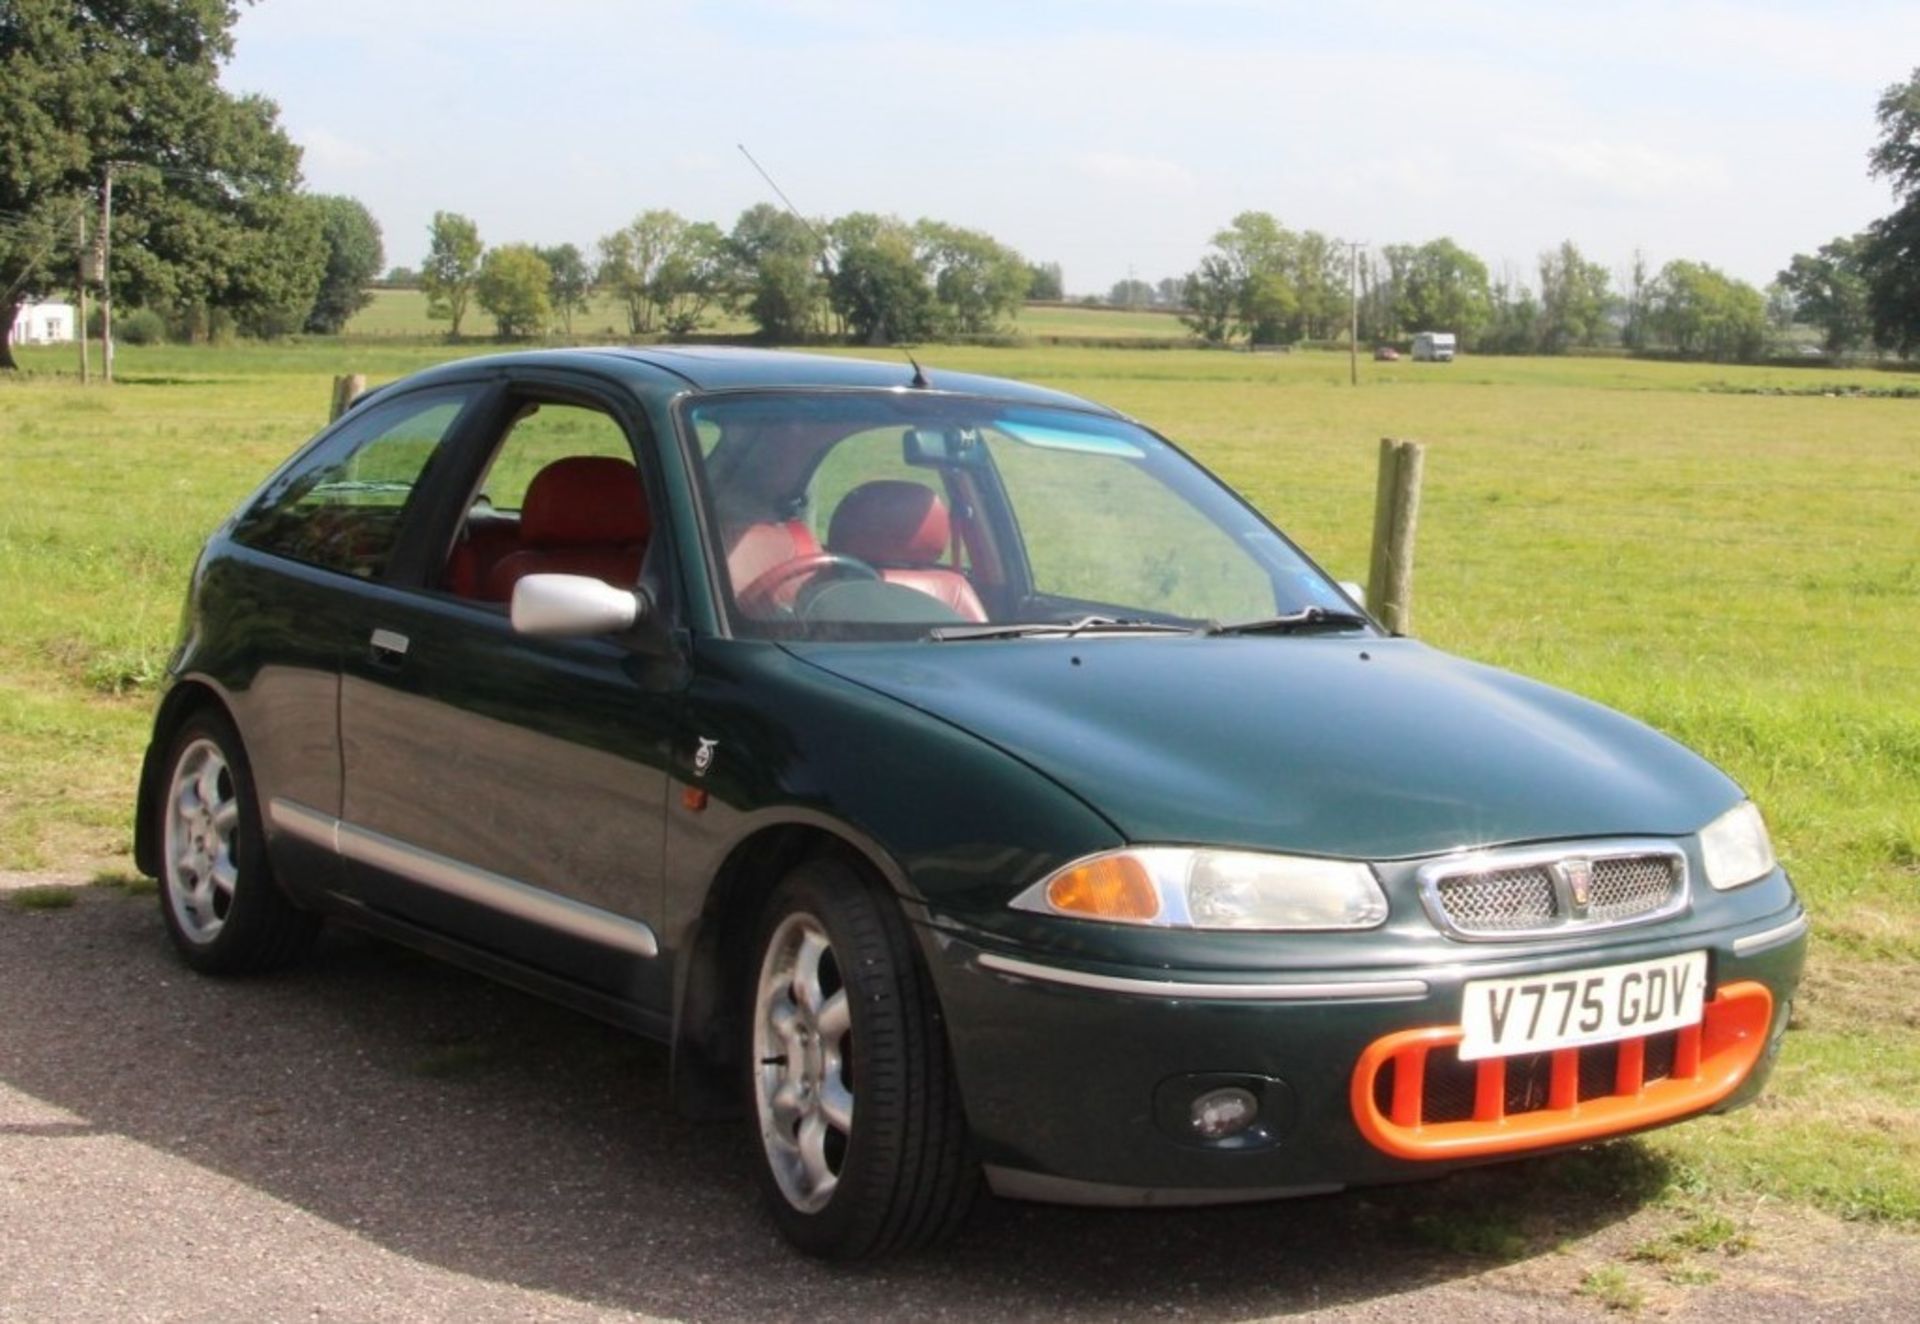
(80, 287)
(106, 277)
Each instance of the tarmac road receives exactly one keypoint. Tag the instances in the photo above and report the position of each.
(377, 1137)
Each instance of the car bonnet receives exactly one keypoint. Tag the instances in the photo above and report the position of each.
(1366, 749)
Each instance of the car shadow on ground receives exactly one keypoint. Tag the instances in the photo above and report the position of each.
(467, 1126)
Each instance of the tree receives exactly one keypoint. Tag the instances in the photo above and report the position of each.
(1573, 299)
(1320, 280)
(666, 271)
(977, 280)
(1287, 284)
(1828, 290)
(1891, 264)
(879, 287)
(777, 267)
(1513, 318)
(512, 285)
(1210, 296)
(1703, 312)
(693, 277)
(1635, 290)
(354, 258)
(1445, 289)
(1896, 157)
(1130, 293)
(277, 265)
(1890, 258)
(1259, 251)
(451, 268)
(1046, 282)
(1383, 284)
(199, 172)
(570, 283)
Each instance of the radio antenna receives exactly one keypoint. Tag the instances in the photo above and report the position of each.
(818, 238)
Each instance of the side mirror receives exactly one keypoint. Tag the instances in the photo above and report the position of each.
(1356, 592)
(573, 606)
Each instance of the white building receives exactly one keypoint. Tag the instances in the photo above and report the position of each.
(43, 324)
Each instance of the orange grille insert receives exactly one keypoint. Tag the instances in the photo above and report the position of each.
(1702, 1064)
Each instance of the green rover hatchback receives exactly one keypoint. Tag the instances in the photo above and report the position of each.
(971, 790)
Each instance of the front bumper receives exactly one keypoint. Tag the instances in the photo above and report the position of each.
(1076, 1078)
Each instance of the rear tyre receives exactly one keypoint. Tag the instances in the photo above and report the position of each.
(222, 907)
(861, 1142)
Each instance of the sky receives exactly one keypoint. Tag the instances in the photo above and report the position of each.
(1111, 136)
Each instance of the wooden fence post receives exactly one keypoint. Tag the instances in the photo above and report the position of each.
(1396, 514)
(346, 390)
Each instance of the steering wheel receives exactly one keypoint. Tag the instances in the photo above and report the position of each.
(760, 596)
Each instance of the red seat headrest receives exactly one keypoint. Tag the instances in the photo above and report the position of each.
(584, 500)
(891, 522)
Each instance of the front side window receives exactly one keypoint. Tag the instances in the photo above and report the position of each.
(561, 495)
(886, 514)
(342, 505)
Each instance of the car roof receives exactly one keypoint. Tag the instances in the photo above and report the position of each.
(736, 368)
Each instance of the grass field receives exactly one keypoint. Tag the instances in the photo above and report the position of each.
(403, 313)
(1741, 570)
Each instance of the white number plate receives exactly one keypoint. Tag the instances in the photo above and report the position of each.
(1538, 1013)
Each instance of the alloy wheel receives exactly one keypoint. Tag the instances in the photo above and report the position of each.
(202, 830)
(802, 1046)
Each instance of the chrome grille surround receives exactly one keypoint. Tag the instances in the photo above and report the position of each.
(1548, 891)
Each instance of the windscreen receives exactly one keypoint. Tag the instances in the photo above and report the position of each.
(889, 514)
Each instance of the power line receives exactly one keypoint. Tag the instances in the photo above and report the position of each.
(33, 263)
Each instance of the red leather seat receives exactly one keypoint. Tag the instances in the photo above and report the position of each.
(584, 515)
(756, 548)
(902, 529)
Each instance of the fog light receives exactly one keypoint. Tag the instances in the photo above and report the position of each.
(1218, 1114)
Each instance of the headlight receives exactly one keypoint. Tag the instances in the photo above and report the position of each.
(1182, 888)
(1735, 849)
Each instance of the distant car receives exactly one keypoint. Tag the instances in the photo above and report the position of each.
(964, 783)
(1386, 353)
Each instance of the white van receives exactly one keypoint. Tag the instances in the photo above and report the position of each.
(1434, 346)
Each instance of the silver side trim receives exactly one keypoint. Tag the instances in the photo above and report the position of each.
(1014, 1184)
(1776, 936)
(1373, 990)
(296, 820)
(466, 881)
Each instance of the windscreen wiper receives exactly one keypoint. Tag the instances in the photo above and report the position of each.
(1307, 618)
(1062, 629)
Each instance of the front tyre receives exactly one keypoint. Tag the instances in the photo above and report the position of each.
(861, 1141)
(222, 908)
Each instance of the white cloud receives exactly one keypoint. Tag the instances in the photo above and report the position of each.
(1135, 171)
(330, 152)
(1625, 171)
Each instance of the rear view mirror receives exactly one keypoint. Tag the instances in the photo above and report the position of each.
(937, 447)
(573, 606)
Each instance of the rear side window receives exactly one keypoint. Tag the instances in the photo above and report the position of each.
(544, 433)
(341, 507)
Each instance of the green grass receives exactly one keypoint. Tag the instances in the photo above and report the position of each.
(49, 897)
(1742, 571)
(1614, 1288)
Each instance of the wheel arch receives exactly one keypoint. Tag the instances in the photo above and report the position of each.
(187, 697)
(707, 1010)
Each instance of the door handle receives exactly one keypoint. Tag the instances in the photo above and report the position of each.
(389, 647)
